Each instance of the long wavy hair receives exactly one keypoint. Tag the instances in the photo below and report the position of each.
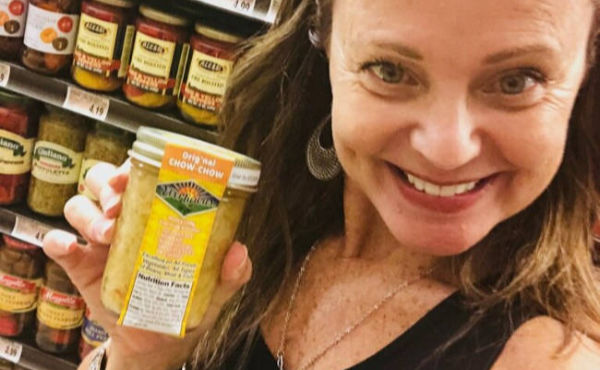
(278, 94)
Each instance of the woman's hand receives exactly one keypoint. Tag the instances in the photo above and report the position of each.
(130, 348)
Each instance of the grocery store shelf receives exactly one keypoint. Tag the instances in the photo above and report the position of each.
(24, 352)
(21, 223)
(110, 109)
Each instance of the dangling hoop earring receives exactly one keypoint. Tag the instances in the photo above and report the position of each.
(322, 162)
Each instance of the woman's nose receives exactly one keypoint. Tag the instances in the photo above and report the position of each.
(446, 135)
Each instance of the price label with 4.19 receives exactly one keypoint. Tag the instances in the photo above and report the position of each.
(86, 103)
(10, 350)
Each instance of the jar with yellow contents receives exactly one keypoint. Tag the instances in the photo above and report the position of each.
(208, 69)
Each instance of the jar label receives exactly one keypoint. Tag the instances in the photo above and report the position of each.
(55, 164)
(50, 32)
(13, 14)
(191, 184)
(96, 46)
(86, 164)
(15, 153)
(60, 311)
(156, 65)
(93, 333)
(206, 81)
(18, 294)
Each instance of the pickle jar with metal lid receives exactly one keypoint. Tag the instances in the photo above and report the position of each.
(211, 59)
(56, 161)
(103, 46)
(104, 143)
(180, 212)
(159, 54)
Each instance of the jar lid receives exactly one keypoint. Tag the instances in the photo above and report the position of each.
(161, 16)
(150, 145)
(119, 3)
(215, 34)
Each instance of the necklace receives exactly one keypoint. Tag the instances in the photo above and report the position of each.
(340, 336)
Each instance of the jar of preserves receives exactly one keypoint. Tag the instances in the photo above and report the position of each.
(104, 143)
(103, 44)
(13, 14)
(207, 72)
(60, 312)
(180, 212)
(56, 161)
(18, 127)
(92, 335)
(50, 35)
(21, 272)
(159, 53)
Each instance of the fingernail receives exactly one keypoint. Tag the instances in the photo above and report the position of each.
(111, 204)
(102, 231)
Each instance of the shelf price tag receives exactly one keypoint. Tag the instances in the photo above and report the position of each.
(10, 350)
(238, 6)
(29, 230)
(4, 74)
(86, 103)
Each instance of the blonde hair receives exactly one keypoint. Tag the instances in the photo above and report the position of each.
(279, 92)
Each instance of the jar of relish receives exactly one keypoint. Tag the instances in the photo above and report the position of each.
(159, 54)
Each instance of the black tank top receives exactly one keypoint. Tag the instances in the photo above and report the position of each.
(421, 346)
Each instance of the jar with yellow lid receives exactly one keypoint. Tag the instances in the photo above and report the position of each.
(103, 45)
(159, 53)
(208, 69)
(180, 212)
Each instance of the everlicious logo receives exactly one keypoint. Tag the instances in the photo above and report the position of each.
(64, 160)
(17, 149)
(187, 197)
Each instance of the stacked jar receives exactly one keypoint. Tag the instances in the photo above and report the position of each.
(103, 44)
(13, 14)
(18, 127)
(207, 72)
(50, 35)
(159, 54)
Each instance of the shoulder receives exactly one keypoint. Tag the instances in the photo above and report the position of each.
(538, 344)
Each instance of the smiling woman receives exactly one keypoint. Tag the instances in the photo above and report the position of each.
(457, 233)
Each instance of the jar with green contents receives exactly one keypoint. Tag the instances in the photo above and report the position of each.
(56, 161)
(104, 143)
(179, 216)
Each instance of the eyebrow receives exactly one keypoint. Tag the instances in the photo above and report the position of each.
(400, 49)
(516, 52)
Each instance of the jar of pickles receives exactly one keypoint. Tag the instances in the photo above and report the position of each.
(21, 272)
(50, 35)
(13, 14)
(104, 143)
(207, 72)
(103, 44)
(60, 312)
(159, 54)
(56, 161)
(180, 212)
(18, 127)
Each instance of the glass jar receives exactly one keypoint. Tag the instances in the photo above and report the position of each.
(60, 312)
(175, 220)
(50, 35)
(56, 161)
(158, 59)
(207, 72)
(92, 335)
(18, 127)
(21, 272)
(13, 14)
(103, 44)
(106, 144)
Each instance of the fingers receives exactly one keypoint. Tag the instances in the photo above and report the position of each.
(87, 219)
(108, 183)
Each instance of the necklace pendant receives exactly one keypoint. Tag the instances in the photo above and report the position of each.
(280, 361)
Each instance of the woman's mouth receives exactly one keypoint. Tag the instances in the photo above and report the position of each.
(449, 190)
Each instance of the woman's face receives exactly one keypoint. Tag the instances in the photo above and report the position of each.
(451, 116)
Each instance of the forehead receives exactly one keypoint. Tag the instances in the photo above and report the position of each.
(479, 24)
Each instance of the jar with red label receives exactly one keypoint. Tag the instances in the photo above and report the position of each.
(60, 312)
(21, 272)
(208, 69)
(50, 35)
(18, 128)
(103, 44)
(92, 335)
(13, 14)
(159, 54)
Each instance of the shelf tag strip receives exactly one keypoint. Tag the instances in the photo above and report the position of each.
(86, 103)
(10, 350)
(4, 74)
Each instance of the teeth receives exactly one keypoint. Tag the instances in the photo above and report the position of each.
(439, 190)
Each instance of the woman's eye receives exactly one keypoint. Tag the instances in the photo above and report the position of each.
(515, 83)
(390, 73)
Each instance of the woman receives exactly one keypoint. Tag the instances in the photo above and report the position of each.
(457, 235)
